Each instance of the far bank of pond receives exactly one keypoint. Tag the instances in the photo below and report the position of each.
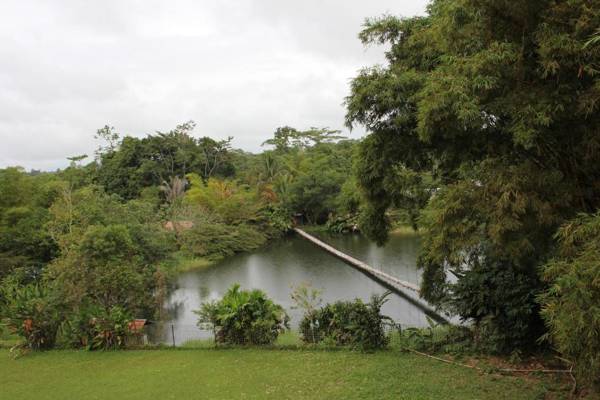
(291, 261)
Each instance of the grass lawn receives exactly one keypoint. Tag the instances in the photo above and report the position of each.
(249, 374)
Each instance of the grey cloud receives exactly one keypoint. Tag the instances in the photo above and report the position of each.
(237, 68)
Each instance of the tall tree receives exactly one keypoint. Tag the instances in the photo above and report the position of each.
(286, 138)
(135, 163)
(497, 101)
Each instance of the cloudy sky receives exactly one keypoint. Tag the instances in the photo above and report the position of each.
(239, 68)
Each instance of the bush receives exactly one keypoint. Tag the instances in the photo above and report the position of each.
(348, 323)
(108, 267)
(218, 240)
(500, 300)
(98, 329)
(278, 220)
(33, 312)
(571, 306)
(244, 317)
(343, 224)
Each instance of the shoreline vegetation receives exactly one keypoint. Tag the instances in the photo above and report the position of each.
(184, 263)
(188, 264)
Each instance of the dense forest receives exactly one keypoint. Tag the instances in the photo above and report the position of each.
(483, 134)
(105, 237)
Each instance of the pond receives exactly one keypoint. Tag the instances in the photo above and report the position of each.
(290, 261)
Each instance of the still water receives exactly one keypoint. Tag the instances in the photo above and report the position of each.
(292, 261)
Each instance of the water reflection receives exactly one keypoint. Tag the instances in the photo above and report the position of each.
(292, 261)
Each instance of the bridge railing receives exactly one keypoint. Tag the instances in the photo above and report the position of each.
(401, 287)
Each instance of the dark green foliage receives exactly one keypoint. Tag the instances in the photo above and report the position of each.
(24, 200)
(16, 188)
(307, 175)
(483, 126)
(110, 251)
(23, 234)
(96, 328)
(435, 338)
(316, 180)
(279, 221)
(112, 265)
(343, 224)
(91, 249)
(134, 164)
(33, 312)
(492, 235)
(217, 240)
(501, 301)
(348, 323)
(244, 317)
(571, 306)
(121, 171)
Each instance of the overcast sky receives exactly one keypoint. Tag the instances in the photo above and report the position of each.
(239, 68)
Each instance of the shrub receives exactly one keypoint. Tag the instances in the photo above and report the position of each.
(571, 306)
(34, 313)
(278, 220)
(348, 323)
(218, 240)
(308, 300)
(435, 338)
(244, 317)
(500, 300)
(98, 329)
(343, 224)
(108, 268)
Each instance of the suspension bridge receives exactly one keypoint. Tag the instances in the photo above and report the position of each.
(407, 290)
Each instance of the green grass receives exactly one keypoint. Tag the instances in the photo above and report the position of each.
(7, 340)
(289, 338)
(286, 340)
(199, 344)
(248, 374)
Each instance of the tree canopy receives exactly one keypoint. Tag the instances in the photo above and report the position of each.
(127, 167)
(492, 108)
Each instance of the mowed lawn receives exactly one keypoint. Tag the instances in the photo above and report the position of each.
(248, 374)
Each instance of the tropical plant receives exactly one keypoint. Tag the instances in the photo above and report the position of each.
(342, 224)
(96, 328)
(571, 306)
(244, 317)
(33, 312)
(174, 189)
(348, 323)
(594, 39)
(227, 200)
(307, 299)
